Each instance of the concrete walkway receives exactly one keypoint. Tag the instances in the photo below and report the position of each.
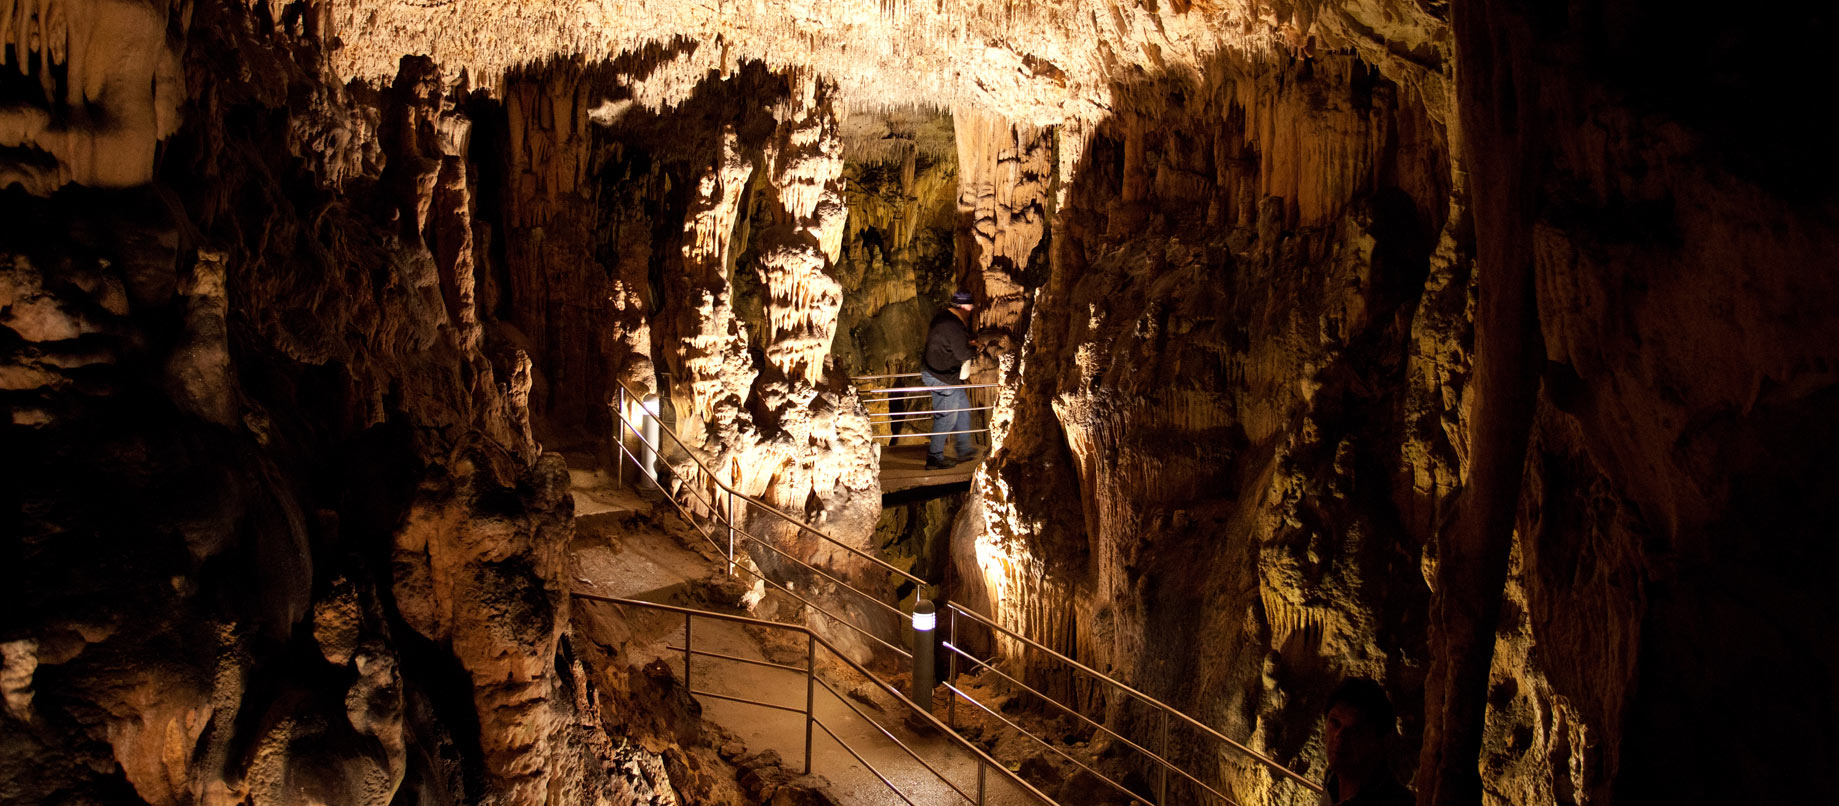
(631, 548)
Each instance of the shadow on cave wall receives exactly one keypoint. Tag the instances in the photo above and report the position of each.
(1198, 281)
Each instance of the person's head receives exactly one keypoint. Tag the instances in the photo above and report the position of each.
(962, 301)
(1358, 727)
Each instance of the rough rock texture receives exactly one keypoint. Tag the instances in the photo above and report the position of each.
(99, 85)
(1004, 173)
(1479, 347)
(1219, 370)
(897, 265)
(281, 533)
(1667, 245)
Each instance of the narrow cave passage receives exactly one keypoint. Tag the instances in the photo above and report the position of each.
(353, 354)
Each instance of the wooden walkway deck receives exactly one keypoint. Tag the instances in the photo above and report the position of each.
(903, 467)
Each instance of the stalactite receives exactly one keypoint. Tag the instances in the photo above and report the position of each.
(715, 371)
(806, 166)
(122, 90)
(1005, 172)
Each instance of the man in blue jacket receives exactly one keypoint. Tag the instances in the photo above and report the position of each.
(948, 346)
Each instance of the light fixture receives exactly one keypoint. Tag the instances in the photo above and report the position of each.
(923, 616)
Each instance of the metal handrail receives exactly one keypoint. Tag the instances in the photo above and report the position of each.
(895, 418)
(903, 416)
(1161, 758)
(620, 414)
(927, 434)
(1167, 709)
(812, 679)
(905, 389)
(732, 565)
(952, 607)
(1047, 744)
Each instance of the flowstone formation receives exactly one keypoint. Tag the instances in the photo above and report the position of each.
(1220, 369)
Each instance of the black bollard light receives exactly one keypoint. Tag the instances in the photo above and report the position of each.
(923, 621)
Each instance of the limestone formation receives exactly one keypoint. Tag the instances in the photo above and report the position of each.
(1479, 348)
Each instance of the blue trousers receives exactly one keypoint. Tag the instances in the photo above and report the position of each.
(945, 400)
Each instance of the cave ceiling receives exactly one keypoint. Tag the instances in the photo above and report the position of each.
(1033, 62)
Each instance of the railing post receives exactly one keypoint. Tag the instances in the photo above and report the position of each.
(649, 461)
(686, 653)
(1162, 784)
(924, 619)
(951, 672)
(730, 533)
(619, 435)
(810, 694)
(980, 768)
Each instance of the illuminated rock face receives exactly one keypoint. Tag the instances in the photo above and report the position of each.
(1218, 371)
(1489, 359)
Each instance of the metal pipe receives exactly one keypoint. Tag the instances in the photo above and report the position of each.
(687, 652)
(787, 591)
(892, 738)
(794, 522)
(730, 520)
(885, 781)
(810, 694)
(895, 611)
(903, 416)
(737, 659)
(938, 388)
(980, 769)
(1047, 744)
(619, 434)
(955, 651)
(815, 641)
(743, 700)
(951, 676)
(928, 433)
(1162, 783)
(832, 616)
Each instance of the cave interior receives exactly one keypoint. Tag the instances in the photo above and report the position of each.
(1485, 349)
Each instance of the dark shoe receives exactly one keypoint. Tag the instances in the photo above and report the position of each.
(939, 463)
(973, 456)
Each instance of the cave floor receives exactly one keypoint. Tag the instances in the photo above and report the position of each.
(628, 548)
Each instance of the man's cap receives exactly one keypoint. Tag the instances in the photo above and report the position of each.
(961, 298)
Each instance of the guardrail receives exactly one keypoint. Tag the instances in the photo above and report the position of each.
(1159, 757)
(813, 680)
(887, 418)
(725, 510)
(708, 491)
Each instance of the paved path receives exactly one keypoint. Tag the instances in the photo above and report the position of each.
(635, 559)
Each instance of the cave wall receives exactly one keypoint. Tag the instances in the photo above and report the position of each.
(1386, 361)
(1350, 326)
(897, 264)
(276, 527)
(1226, 369)
(1655, 192)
